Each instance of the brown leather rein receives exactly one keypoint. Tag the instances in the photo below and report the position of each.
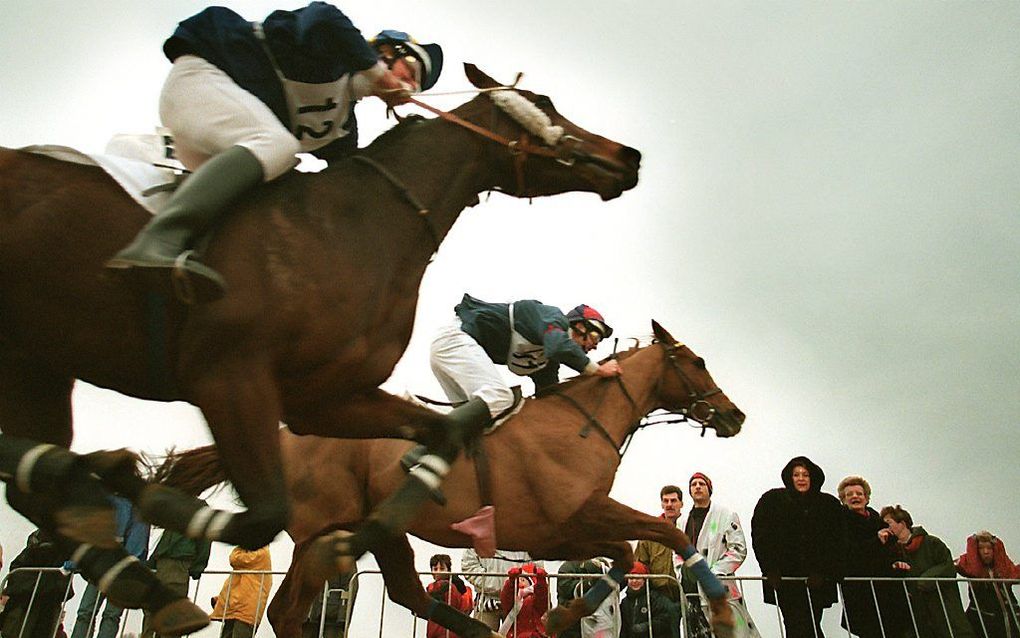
(565, 152)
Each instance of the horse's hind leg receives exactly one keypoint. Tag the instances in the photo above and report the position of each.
(396, 561)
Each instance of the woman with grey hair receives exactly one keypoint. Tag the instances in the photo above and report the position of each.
(868, 556)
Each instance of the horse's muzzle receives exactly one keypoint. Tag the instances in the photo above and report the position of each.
(727, 424)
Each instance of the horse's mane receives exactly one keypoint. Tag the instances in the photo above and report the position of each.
(397, 133)
(583, 379)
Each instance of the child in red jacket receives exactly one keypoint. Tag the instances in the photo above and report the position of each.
(525, 599)
(448, 589)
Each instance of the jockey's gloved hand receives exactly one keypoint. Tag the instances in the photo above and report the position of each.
(391, 89)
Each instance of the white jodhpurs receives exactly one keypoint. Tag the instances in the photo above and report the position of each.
(207, 113)
(464, 370)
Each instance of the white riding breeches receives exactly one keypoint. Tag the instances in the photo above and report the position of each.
(207, 113)
(464, 370)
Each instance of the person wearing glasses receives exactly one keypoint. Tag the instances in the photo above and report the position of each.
(243, 98)
(530, 338)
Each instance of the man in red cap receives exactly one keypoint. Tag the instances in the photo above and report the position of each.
(718, 536)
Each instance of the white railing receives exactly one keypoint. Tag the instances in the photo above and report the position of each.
(387, 619)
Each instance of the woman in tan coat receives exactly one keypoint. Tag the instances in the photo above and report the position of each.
(244, 597)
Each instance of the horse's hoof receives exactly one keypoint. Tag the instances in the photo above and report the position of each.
(723, 623)
(558, 619)
(85, 524)
(104, 462)
(328, 555)
(179, 618)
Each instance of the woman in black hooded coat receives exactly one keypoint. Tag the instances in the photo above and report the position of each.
(797, 531)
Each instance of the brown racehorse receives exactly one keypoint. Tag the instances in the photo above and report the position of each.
(323, 273)
(553, 465)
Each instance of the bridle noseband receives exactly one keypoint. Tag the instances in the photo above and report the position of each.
(698, 399)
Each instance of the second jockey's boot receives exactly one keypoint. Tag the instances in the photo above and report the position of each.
(160, 257)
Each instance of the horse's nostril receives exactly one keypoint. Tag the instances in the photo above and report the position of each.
(631, 156)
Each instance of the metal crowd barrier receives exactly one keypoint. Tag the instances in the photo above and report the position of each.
(409, 625)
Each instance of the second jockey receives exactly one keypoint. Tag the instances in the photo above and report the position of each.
(528, 337)
(242, 99)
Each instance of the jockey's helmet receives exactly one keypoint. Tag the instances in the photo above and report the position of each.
(592, 320)
(430, 56)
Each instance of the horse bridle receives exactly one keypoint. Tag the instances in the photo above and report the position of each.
(683, 414)
(566, 151)
(698, 399)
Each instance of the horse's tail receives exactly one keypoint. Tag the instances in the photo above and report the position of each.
(192, 471)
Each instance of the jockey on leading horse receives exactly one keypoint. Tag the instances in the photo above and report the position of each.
(242, 99)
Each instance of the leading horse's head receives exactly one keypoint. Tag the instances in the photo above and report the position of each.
(548, 154)
(687, 387)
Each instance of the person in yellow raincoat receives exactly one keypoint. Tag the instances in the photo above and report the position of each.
(244, 597)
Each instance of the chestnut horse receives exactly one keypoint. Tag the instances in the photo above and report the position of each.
(323, 273)
(553, 464)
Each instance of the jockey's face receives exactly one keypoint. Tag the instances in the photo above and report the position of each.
(587, 340)
(407, 68)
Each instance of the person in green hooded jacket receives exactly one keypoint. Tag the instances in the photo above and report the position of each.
(935, 606)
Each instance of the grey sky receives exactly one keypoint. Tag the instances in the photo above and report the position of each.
(828, 212)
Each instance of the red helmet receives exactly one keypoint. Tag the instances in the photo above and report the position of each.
(592, 320)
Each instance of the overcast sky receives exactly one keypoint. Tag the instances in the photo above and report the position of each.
(827, 212)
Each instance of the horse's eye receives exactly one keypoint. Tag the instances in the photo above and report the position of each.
(543, 102)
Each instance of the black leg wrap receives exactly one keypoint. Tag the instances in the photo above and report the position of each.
(122, 577)
(252, 529)
(169, 508)
(35, 467)
(458, 623)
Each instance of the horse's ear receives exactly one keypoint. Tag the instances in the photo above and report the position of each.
(477, 78)
(660, 333)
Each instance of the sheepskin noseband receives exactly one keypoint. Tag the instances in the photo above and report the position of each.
(525, 113)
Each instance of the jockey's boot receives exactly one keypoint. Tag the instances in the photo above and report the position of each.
(466, 419)
(160, 257)
(430, 466)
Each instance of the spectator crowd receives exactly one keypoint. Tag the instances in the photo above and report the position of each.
(892, 577)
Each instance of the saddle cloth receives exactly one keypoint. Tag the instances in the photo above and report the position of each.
(131, 160)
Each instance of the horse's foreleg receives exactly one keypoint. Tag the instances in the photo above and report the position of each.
(241, 405)
(396, 561)
(289, 607)
(603, 518)
(560, 618)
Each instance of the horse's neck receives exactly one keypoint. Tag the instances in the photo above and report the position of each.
(610, 402)
(440, 165)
